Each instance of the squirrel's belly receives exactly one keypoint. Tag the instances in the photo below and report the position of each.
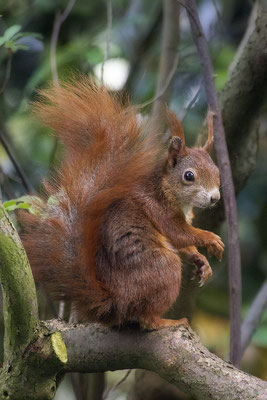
(143, 280)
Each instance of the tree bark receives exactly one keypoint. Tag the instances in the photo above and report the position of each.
(20, 308)
(36, 360)
(176, 354)
(241, 100)
(26, 350)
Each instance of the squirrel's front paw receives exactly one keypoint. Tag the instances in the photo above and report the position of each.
(214, 244)
(204, 270)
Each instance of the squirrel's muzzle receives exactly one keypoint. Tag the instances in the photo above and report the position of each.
(214, 196)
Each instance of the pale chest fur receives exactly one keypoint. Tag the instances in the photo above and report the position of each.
(189, 215)
(188, 212)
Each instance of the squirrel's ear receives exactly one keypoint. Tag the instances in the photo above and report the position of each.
(177, 147)
(175, 150)
(175, 126)
(208, 145)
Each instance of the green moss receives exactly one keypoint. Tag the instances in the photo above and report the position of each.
(19, 295)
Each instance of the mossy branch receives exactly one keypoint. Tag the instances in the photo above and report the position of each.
(19, 295)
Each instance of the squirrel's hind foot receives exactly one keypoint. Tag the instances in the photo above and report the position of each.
(160, 323)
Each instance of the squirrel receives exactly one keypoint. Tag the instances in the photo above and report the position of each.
(115, 222)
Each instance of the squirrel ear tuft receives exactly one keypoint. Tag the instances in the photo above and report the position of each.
(176, 150)
(175, 126)
(208, 145)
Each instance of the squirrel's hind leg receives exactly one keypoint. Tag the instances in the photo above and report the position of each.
(155, 323)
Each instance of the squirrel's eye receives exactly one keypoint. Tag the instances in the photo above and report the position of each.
(189, 176)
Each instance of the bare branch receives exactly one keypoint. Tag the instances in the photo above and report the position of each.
(195, 95)
(217, 10)
(227, 182)
(20, 308)
(140, 38)
(176, 354)
(253, 316)
(53, 48)
(168, 59)
(8, 71)
(163, 91)
(115, 387)
(23, 178)
(58, 21)
(241, 99)
(108, 32)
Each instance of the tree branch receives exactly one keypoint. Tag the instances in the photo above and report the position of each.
(38, 357)
(18, 169)
(226, 179)
(176, 354)
(108, 32)
(241, 99)
(8, 71)
(58, 21)
(136, 38)
(253, 316)
(244, 94)
(19, 296)
(168, 59)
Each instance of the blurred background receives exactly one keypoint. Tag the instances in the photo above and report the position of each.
(127, 36)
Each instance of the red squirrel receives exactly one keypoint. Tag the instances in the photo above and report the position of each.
(117, 216)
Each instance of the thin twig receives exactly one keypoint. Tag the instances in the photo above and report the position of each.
(192, 101)
(253, 316)
(165, 87)
(58, 21)
(15, 163)
(115, 387)
(168, 60)
(192, 16)
(108, 32)
(53, 47)
(8, 71)
(227, 182)
(217, 9)
(140, 45)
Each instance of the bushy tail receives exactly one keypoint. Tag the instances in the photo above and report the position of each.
(107, 153)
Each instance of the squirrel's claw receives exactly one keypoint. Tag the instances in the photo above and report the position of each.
(201, 283)
(205, 273)
(203, 270)
(216, 247)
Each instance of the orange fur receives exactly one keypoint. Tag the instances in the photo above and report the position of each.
(108, 233)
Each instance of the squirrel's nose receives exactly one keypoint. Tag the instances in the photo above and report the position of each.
(214, 196)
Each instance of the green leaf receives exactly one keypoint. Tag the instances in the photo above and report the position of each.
(10, 32)
(12, 35)
(29, 203)
(13, 46)
(21, 35)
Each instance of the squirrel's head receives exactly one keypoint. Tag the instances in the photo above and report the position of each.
(192, 178)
